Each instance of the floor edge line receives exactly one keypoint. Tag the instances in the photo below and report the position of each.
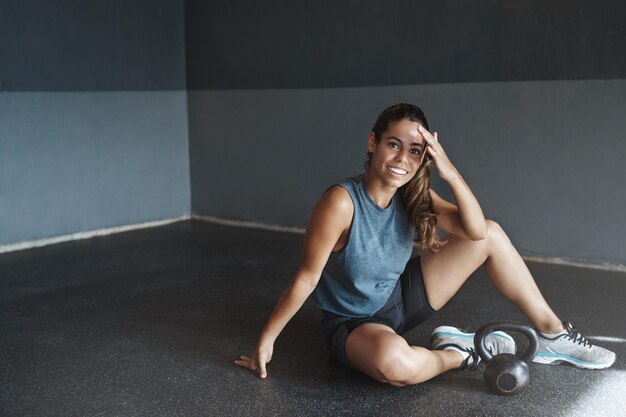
(30, 244)
(249, 224)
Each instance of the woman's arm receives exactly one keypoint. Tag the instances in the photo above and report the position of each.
(449, 220)
(331, 216)
(466, 219)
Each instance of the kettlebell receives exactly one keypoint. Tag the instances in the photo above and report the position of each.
(506, 373)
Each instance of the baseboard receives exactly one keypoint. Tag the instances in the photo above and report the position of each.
(253, 225)
(87, 234)
(604, 266)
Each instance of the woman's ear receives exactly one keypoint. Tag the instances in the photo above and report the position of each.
(371, 142)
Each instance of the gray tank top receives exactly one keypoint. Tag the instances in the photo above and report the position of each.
(358, 279)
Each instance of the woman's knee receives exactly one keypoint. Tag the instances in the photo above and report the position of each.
(496, 237)
(396, 365)
(493, 226)
(495, 231)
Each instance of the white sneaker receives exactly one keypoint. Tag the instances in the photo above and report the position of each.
(451, 338)
(574, 348)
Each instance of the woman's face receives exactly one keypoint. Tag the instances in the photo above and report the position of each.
(398, 155)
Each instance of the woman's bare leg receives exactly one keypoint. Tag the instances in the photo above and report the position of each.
(446, 271)
(377, 351)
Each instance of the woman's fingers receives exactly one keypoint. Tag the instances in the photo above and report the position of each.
(259, 361)
(443, 164)
(242, 361)
(425, 133)
(435, 148)
(246, 362)
(262, 371)
(428, 137)
(252, 364)
(263, 358)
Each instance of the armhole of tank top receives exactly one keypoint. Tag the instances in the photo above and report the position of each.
(405, 211)
(351, 221)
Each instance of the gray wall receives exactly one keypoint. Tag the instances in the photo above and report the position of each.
(528, 99)
(93, 117)
(318, 44)
(97, 45)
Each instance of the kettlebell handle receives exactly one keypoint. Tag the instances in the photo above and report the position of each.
(506, 326)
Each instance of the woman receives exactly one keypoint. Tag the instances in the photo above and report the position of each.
(356, 263)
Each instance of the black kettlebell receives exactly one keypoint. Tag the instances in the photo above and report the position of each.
(506, 373)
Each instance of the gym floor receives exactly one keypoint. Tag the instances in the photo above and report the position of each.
(149, 322)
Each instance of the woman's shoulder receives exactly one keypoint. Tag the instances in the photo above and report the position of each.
(335, 206)
(331, 216)
(337, 199)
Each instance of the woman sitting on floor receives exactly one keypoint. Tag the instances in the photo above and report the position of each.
(356, 264)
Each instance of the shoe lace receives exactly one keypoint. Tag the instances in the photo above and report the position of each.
(575, 336)
(472, 354)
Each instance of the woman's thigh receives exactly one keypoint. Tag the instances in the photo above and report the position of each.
(445, 272)
(376, 350)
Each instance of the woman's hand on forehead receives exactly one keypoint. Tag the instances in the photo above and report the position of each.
(444, 166)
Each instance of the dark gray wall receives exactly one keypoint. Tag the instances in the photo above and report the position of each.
(518, 100)
(317, 43)
(98, 45)
(93, 117)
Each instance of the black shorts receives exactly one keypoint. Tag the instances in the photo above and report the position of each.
(405, 309)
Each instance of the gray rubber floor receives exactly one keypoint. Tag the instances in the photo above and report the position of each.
(148, 323)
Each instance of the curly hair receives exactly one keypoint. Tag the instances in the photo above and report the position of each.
(415, 194)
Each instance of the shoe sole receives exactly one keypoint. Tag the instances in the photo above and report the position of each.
(443, 331)
(555, 359)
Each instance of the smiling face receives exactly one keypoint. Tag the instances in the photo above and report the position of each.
(398, 154)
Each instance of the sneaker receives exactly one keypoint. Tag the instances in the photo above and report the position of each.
(572, 347)
(451, 338)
